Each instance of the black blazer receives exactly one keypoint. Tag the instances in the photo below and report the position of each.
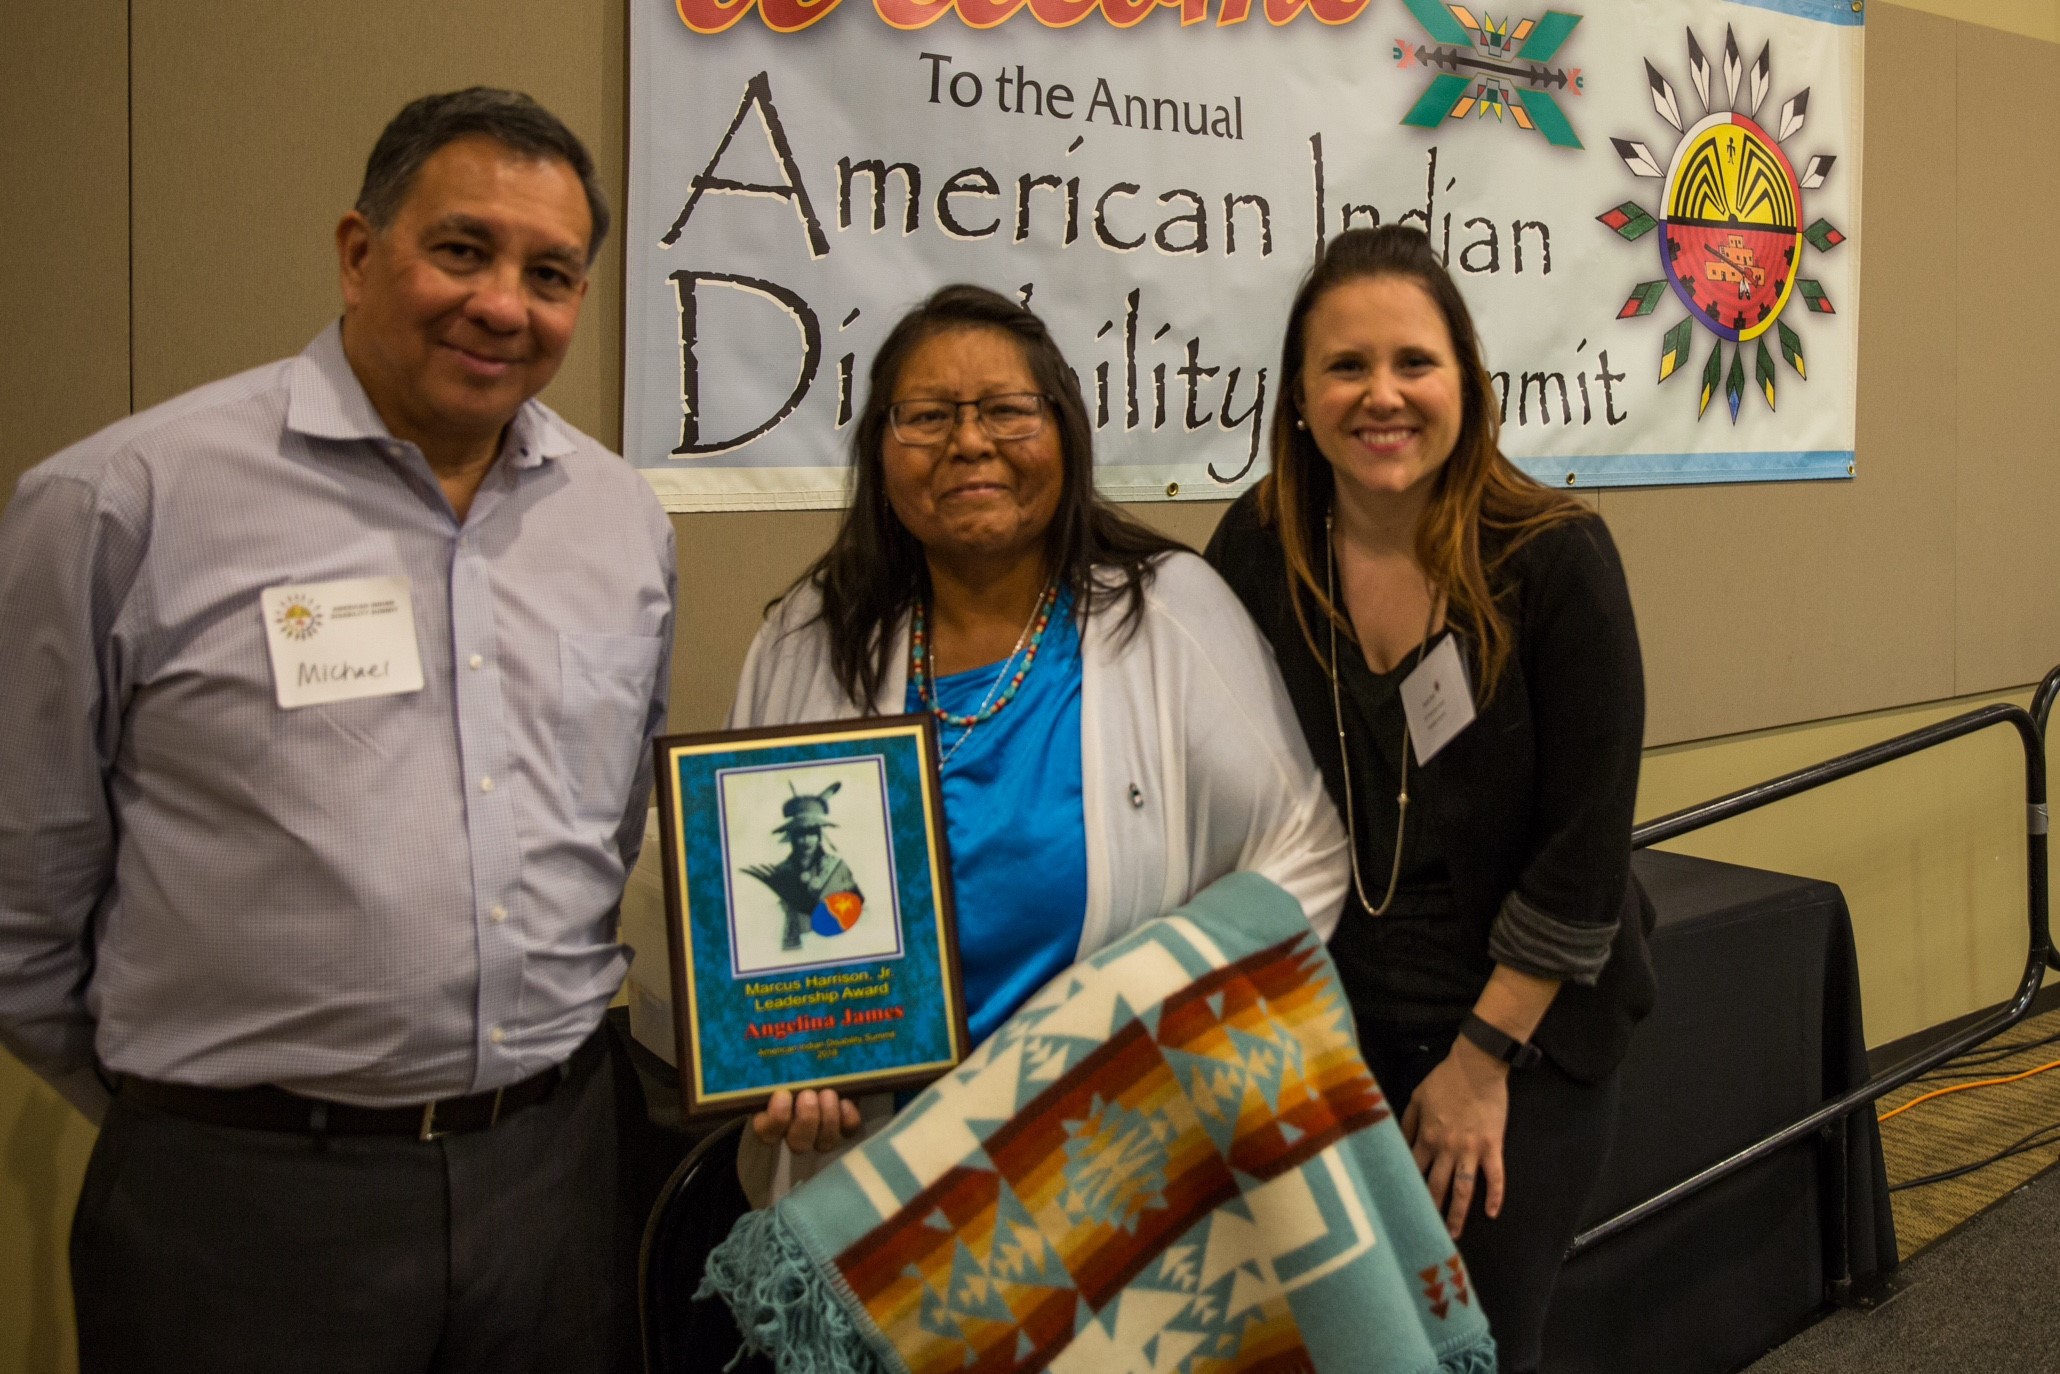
(1534, 800)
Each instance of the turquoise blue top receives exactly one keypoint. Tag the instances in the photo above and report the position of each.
(1018, 834)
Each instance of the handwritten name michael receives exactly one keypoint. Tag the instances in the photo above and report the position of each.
(342, 670)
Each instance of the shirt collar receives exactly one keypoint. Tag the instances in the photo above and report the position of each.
(325, 400)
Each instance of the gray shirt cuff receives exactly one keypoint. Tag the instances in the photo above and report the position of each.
(1530, 941)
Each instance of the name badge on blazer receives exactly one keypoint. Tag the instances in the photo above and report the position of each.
(1437, 699)
(340, 641)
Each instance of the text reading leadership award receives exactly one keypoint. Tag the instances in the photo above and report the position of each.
(809, 901)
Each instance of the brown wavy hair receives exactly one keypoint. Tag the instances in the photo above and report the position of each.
(874, 571)
(1476, 491)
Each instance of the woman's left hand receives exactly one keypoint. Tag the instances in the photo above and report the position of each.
(1454, 1127)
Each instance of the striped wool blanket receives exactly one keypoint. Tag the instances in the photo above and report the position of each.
(1172, 1159)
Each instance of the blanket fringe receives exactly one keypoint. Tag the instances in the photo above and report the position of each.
(1474, 1359)
(786, 1309)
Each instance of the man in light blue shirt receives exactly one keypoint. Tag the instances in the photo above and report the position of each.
(330, 689)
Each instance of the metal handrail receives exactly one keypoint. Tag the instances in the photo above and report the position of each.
(2042, 699)
(2031, 735)
(2041, 711)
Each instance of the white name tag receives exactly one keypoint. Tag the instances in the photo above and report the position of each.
(339, 641)
(1437, 699)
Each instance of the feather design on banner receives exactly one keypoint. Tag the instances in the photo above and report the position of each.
(1698, 70)
(1663, 97)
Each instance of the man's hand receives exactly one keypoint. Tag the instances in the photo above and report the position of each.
(1454, 1127)
(812, 1119)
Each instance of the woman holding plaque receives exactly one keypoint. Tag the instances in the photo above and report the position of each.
(1113, 732)
(1458, 644)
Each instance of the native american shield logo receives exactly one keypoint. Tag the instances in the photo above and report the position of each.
(836, 913)
(1732, 242)
(1731, 222)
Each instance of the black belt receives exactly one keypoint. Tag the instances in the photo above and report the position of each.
(266, 1108)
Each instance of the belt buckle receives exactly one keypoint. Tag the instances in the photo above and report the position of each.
(428, 1132)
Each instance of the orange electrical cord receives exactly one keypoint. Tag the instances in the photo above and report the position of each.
(1963, 1087)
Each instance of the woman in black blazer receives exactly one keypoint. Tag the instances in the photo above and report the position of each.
(1493, 944)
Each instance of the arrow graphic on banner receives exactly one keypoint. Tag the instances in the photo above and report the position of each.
(1492, 67)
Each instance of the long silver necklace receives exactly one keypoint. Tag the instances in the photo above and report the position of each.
(1330, 586)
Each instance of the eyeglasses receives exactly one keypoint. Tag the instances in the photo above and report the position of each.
(1012, 415)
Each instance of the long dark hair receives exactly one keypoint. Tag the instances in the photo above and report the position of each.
(1476, 489)
(874, 570)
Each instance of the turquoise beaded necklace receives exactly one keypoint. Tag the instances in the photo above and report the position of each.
(922, 671)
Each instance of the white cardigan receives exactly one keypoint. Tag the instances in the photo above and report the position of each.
(1191, 763)
(1191, 767)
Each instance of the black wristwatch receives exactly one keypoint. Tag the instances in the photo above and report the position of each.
(1518, 1054)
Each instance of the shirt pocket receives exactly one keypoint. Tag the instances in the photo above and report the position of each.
(605, 683)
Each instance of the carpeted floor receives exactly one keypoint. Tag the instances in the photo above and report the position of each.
(1961, 1128)
(1980, 1249)
(1978, 1302)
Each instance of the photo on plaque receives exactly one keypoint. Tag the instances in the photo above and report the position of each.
(809, 902)
(798, 889)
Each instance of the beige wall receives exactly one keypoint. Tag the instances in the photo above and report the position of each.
(64, 370)
(64, 355)
(1929, 850)
(175, 165)
(2029, 18)
(250, 127)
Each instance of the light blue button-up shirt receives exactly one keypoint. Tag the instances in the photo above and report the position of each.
(378, 901)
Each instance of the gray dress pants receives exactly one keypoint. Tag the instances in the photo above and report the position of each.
(208, 1248)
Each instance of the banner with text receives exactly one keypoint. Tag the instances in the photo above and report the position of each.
(1651, 205)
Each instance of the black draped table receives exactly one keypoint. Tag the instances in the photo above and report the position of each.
(1758, 1022)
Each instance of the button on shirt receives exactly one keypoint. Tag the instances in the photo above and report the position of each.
(379, 901)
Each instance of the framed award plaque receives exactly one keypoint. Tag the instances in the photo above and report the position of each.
(808, 898)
